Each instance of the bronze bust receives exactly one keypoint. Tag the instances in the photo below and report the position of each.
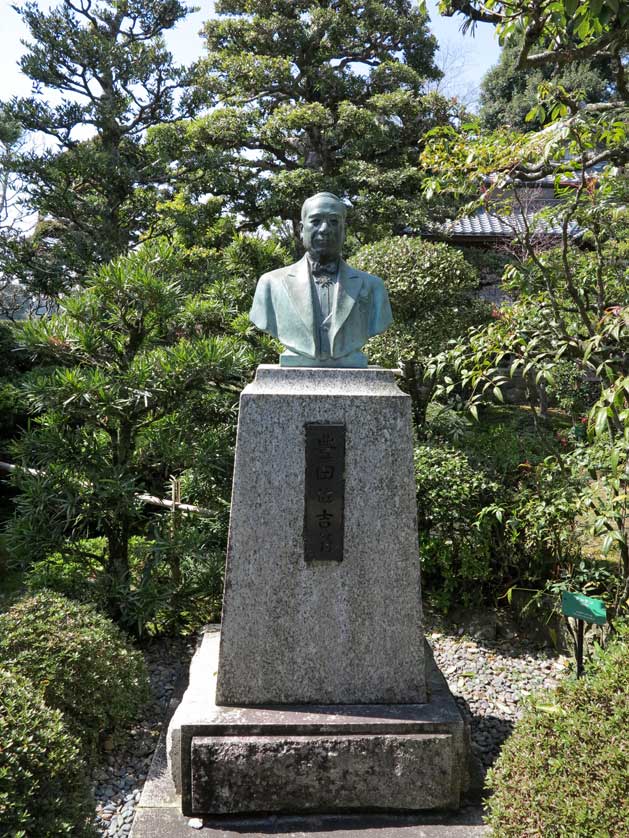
(320, 308)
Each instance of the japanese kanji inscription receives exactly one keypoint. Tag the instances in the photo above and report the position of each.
(324, 492)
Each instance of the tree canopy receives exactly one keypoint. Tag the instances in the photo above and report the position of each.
(308, 97)
(562, 36)
(101, 76)
(509, 92)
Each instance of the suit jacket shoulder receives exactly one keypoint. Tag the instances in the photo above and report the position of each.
(372, 279)
(278, 274)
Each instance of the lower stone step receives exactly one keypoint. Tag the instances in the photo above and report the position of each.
(232, 774)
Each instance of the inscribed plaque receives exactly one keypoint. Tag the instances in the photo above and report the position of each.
(325, 492)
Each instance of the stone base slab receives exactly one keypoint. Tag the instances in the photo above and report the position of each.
(309, 758)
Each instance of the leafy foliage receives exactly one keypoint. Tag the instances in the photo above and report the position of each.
(14, 364)
(570, 303)
(572, 391)
(306, 98)
(43, 788)
(493, 514)
(154, 603)
(77, 661)
(538, 336)
(573, 31)
(419, 275)
(456, 555)
(432, 291)
(559, 38)
(552, 780)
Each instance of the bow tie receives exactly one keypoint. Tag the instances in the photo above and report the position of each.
(324, 273)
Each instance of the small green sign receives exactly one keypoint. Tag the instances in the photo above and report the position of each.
(583, 607)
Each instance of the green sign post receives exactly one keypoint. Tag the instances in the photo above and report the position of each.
(584, 609)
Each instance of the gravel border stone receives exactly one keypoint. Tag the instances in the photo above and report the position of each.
(117, 782)
(490, 679)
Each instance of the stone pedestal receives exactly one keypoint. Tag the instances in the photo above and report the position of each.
(297, 631)
(320, 699)
(315, 758)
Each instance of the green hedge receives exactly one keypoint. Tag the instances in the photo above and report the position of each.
(432, 291)
(564, 773)
(43, 790)
(77, 660)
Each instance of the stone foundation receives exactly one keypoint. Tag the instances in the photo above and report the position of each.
(318, 758)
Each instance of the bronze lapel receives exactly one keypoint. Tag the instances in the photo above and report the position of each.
(350, 283)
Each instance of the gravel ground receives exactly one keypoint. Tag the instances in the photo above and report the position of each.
(118, 781)
(488, 677)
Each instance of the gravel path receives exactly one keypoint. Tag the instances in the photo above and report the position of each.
(488, 677)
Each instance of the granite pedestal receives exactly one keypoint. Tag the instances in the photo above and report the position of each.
(319, 699)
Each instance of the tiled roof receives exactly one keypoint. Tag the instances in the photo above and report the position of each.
(488, 224)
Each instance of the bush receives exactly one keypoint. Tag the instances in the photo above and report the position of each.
(432, 289)
(572, 390)
(78, 661)
(565, 769)
(506, 439)
(43, 790)
(432, 292)
(495, 509)
(419, 275)
(456, 554)
(158, 600)
(77, 574)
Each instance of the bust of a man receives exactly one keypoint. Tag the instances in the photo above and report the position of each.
(320, 308)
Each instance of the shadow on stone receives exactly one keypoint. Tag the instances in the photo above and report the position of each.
(315, 824)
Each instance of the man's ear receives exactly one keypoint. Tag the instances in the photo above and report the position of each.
(301, 228)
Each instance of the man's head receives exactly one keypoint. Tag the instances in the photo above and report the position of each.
(323, 225)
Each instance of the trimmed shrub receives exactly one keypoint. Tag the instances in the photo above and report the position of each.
(43, 789)
(418, 274)
(78, 661)
(565, 770)
(432, 291)
(433, 296)
(456, 551)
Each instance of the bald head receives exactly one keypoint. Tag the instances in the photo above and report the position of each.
(328, 197)
(323, 225)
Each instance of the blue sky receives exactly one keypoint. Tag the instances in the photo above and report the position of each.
(474, 54)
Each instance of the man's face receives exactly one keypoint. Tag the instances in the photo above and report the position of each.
(323, 229)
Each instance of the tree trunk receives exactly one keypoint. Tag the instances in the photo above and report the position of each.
(118, 570)
(119, 531)
(419, 389)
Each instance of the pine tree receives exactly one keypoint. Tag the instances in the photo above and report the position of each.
(309, 96)
(101, 71)
(136, 381)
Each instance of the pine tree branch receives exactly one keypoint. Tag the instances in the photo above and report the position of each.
(150, 500)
